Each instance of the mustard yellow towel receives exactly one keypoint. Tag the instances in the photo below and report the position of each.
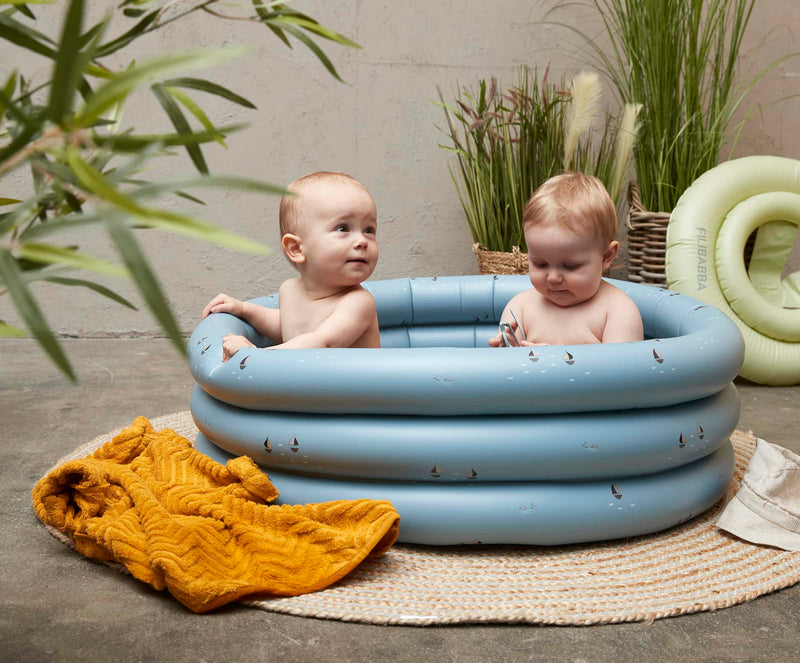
(178, 520)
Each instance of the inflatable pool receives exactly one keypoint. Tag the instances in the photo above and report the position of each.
(545, 445)
(706, 239)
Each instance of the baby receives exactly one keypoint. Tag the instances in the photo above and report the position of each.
(570, 228)
(328, 233)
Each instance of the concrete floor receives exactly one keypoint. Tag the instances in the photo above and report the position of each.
(58, 606)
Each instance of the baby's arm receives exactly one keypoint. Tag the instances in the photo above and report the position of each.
(623, 321)
(517, 306)
(348, 322)
(266, 321)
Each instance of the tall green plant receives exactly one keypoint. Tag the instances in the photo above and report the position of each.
(507, 143)
(679, 59)
(86, 167)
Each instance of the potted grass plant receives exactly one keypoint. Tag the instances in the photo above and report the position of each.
(508, 142)
(678, 59)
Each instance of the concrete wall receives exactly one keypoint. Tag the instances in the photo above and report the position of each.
(381, 126)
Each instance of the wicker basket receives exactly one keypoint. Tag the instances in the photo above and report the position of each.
(647, 242)
(500, 262)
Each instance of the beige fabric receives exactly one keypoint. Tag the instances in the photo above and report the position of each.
(766, 509)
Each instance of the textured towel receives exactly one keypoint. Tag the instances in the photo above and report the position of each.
(178, 520)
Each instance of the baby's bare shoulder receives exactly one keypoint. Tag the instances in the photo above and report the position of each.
(290, 286)
(614, 296)
(527, 299)
(358, 296)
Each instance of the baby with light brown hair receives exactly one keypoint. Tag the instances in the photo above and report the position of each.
(570, 227)
(328, 232)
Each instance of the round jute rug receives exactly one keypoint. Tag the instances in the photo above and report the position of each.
(689, 568)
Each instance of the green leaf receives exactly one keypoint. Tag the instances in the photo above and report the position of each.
(10, 331)
(94, 181)
(264, 15)
(129, 36)
(91, 34)
(8, 201)
(128, 142)
(184, 225)
(157, 218)
(121, 84)
(22, 35)
(316, 50)
(68, 67)
(8, 91)
(181, 125)
(211, 88)
(60, 255)
(18, 112)
(31, 313)
(145, 280)
(216, 181)
(61, 224)
(195, 110)
(312, 26)
(91, 285)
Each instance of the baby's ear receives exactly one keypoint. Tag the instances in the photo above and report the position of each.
(293, 248)
(610, 253)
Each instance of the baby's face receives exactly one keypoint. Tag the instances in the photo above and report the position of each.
(338, 232)
(566, 267)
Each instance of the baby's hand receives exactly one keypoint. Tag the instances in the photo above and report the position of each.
(231, 343)
(498, 342)
(223, 303)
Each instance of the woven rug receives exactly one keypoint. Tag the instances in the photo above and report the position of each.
(689, 568)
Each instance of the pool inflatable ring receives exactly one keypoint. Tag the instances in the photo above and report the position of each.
(706, 238)
(456, 435)
(503, 447)
(447, 321)
(540, 513)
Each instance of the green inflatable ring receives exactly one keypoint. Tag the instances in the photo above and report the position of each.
(706, 236)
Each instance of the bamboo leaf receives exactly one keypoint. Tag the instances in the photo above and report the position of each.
(162, 219)
(145, 280)
(68, 69)
(91, 285)
(8, 91)
(8, 201)
(184, 225)
(128, 142)
(31, 313)
(181, 125)
(195, 110)
(211, 88)
(120, 85)
(94, 181)
(60, 255)
(62, 224)
(125, 39)
(265, 15)
(312, 26)
(316, 50)
(22, 35)
(215, 181)
(10, 331)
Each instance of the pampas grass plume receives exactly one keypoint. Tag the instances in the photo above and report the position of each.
(623, 151)
(585, 92)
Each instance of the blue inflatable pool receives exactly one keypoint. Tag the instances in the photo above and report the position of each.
(546, 445)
